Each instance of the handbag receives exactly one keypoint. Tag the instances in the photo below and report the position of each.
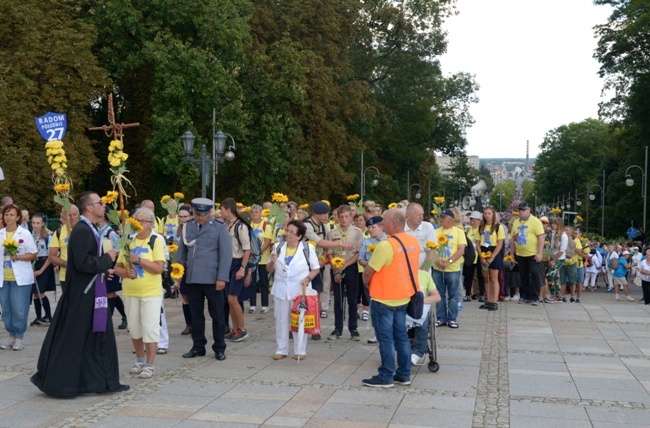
(416, 304)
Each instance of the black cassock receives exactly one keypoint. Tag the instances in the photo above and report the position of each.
(73, 359)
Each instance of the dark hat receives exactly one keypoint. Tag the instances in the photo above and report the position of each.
(374, 220)
(448, 213)
(523, 205)
(202, 206)
(320, 207)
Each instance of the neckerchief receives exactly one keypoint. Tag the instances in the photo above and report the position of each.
(100, 311)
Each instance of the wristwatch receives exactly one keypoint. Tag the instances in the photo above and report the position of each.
(451, 261)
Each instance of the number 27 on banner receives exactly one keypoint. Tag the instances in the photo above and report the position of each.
(52, 126)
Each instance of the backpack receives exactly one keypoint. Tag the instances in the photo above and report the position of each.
(256, 248)
(470, 252)
(570, 249)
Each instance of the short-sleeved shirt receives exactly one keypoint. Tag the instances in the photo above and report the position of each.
(262, 231)
(573, 260)
(61, 242)
(244, 238)
(364, 253)
(352, 235)
(423, 233)
(315, 233)
(145, 284)
(383, 256)
(455, 237)
(490, 238)
(426, 282)
(528, 233)
(168, 227)
(473, 235)
(621, 270)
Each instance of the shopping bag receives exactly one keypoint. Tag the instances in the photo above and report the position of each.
(309, 305)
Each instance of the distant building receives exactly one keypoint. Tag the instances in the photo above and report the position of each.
(445, 162)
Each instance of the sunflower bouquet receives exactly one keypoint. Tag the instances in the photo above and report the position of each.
(484, 256)
(437, 206)
(440, 246)
(178, 270)
(10, 246)
(62, 182)
(120, 218)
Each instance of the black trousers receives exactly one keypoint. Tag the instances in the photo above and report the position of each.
(468, 278)
(350, 286)
(531, 277)
(197, 294)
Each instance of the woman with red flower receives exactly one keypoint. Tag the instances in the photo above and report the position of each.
(17, 276)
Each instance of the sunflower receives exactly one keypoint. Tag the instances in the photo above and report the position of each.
(442, 239)
(177, 271)
(337, 262)
(135, 224)
(353, 197)
(266, 212)
(61, 188)
(486, 254)
(240, 205)
(124, 213)
(179, 195)
(110, 197)
(515, 213)
(579, 218)
(434, 212)
(172, 248)
(439, 199)
(509, 258)
(431, 245)
(245, 209)
(279, 197)
(370, 248)
(392, 205)
(304, 206)
(164, 200)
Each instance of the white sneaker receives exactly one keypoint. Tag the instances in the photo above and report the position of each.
(417, 361)
(630, 298)
(373, 339)
(515, 297)
(507, 298)
(264, 310)
(252, 310)
(19, 345)
(617, 297)
(8, 344)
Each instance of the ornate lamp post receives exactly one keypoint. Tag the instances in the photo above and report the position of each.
(629, 181)
(373, 183)
(418, 193)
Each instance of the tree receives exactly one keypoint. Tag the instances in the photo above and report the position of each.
(46, 65)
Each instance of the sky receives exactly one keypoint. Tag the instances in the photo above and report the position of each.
(533, 62)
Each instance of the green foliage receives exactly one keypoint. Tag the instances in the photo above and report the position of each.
(46, 64)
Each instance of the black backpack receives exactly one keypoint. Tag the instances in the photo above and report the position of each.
(470, 252)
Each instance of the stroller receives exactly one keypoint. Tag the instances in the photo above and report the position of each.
(431, 351)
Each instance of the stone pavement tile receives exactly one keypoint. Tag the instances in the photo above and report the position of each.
(270, 392)
(9, 375)
(639, 367)
(286, 371)
(616, 395)
(368, 396)
(45, 402)
(613, 369)
(454, 404)
(594, 347)
(152, 411)
(542, 386)
(621, 384)
(336, 379)
(538, 366)
(233, 409)
(539, 422)
(355, 412)
(30, 418)
(191, 387)
(526, 331)
(432, 417)
(537, 371)
(305, 403)
(190, 423)
(326, 423)
(17, 391)
(533, 358)
(460, 357)
(532, 347)
(448, 384)
(116, 420)
(618, 415)
(548, 410)
(284, 421)
(222, 372)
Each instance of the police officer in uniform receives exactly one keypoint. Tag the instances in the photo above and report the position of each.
(205, 250)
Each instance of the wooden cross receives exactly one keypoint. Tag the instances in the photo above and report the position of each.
(113, 130)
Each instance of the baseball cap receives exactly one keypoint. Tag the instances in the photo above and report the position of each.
(448, 213)
(626, 252)
(523, 205)
(476, 215)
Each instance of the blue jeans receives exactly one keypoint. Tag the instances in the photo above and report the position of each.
(390, 327)
(421, 337)
(447, 284)
(14, 300)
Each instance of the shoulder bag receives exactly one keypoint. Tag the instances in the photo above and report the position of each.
(415, 307)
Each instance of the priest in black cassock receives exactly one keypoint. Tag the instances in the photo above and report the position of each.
(79, 354)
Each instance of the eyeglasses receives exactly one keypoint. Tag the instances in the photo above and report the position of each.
(96, 203)
(290, 232)
(144, 221)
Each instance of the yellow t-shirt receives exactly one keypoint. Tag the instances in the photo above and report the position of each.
(145, 284)
(383, 256)
(490, 238)
(474, 236)
(455, 237)
(426, 282)
(528, 232)
(168, 227)
(8, 269)
(61, 243)
(267, 233)
(575, 257)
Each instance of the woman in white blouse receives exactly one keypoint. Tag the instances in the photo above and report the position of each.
(644, 270)
(295, 265)
(16, 278)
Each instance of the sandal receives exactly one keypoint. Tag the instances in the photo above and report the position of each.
(137, 368)
(439, 324)
(452, 324)
(323, 314)
(146, 373)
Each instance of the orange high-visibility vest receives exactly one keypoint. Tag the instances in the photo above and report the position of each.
(393, 282)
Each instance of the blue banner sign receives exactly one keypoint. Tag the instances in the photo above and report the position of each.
(52, 126)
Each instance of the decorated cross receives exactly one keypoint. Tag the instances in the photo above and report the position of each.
(113, 130)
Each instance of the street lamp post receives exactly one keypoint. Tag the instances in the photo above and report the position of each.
(629, 181)
(592, 197)
(373, 183)
(418, 193)
(209, 165)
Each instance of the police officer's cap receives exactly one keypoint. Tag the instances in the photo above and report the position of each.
(320, 207)
(374, 220)
(202, 206)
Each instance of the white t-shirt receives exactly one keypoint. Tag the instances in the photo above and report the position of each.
(644, 266)
(423, 233)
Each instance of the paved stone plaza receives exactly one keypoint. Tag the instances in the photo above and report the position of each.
(559, 365)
